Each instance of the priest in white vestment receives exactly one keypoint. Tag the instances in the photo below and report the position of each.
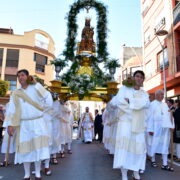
(160, 123)
(25, 114)
(130, 147)
(87, 126)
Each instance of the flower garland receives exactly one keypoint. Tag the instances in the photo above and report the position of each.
(72, 28)
(81, 85)
(99, 77)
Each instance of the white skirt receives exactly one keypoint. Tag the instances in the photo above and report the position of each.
(68, 133)
(88, 132)
(56, 141)
(130, 149)
(159, 142)
(62, 132)
(112, 138)
(33, 141)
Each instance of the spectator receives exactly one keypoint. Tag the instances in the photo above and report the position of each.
(1, 121)
(177, 129)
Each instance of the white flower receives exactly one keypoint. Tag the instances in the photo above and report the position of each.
(81, 91)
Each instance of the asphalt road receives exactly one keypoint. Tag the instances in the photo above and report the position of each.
(88, 162)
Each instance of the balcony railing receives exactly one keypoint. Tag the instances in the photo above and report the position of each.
(176, 14)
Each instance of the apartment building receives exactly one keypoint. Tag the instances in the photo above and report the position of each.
(158, 15)
(32, 51)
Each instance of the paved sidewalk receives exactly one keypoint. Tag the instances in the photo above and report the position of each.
(88, 162)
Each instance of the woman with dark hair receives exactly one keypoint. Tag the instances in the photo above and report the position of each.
(177, 129)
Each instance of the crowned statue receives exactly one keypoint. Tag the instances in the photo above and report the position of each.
(87, 43)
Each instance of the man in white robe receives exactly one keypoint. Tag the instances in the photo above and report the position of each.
(65, 127)
(106, 128)
(56, 131)
(4, 146)
(160, 123)
(68, 126)
(87, 126)
(113, 124)
(130, 147)
(25, 114)
(51, 116)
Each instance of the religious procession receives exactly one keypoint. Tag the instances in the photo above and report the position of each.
(82, 114)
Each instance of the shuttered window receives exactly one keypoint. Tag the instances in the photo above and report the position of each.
(41, 61)
(12, 59)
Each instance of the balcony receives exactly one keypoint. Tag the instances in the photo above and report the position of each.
(176, 14)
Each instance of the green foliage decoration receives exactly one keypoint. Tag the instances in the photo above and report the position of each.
(129, 82)
(72, 28)
(112, 63)
(59, 62)
(4, 86)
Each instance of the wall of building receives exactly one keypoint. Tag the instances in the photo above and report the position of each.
(158, 15)
(27, 46)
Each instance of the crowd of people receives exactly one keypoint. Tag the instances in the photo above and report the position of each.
(37, 127)
(133, 127)
(137, 127)
(90, 127)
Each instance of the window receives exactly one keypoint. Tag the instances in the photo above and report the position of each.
(41, 61)
(12, 80)
(145, 7)
(179, 46)
(12, 59)
(160, 59)
(147, 36)
(41, 41)
(1, 56)
(124, 74)
(148, 70)
(160, 21)
(176, 2)
(133, 69)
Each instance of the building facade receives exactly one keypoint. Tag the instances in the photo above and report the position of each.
(158, 15)
(32, 51)
(131, 60)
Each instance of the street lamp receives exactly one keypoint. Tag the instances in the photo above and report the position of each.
(163, 33)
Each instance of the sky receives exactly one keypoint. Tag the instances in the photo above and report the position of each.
(124, 21)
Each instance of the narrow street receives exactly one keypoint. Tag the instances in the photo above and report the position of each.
(88, 162)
